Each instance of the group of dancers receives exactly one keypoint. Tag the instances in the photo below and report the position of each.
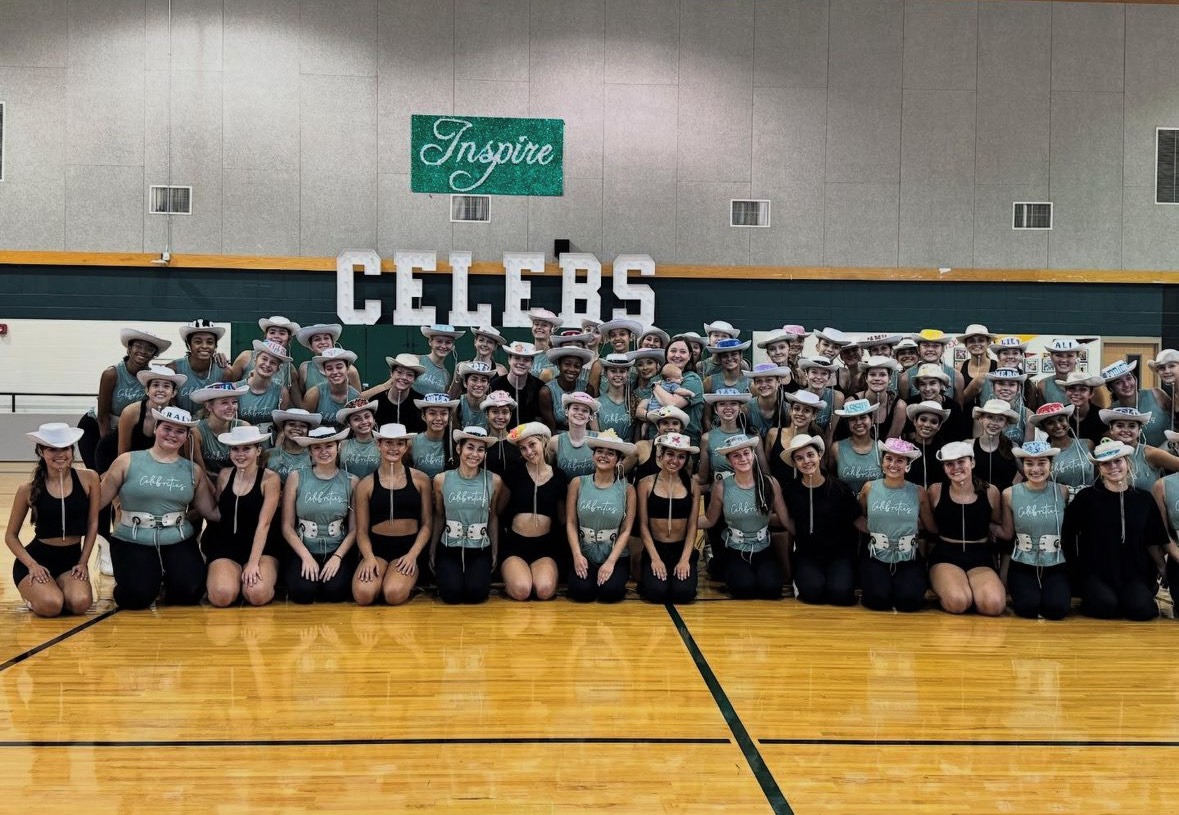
(846, 465)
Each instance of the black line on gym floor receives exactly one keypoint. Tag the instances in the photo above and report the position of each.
(358, 742)
(761, 772)
(50, 643)
(971, 742)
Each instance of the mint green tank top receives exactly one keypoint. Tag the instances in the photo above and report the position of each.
(1072, 466)
(195, 382)
(1141, 472)
(324, 502)
(466, 505)
(127, 391)
(282, 376)
(600, 513)
(1160, 419)
(328, 406)
(360, 458)
(256, 408)
(1171, 499)
(615, 416)
(284, 463)
(471, 415)
(213, 452)
(747, 529)
(159, 489)
(429, 455)
(1038, 515)
(893, 519)
(857, 469)
(434, 379)
(574, 461)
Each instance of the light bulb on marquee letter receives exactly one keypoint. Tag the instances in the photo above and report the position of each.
(346, 264)
(515, 289)
(460, 267)
(572, 290)
(409, 287)
(645, 266)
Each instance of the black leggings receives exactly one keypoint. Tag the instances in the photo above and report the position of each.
(1047, 594)
(142, 569)
(586, 589)
(885, 586)
(825, 581)
(89, 441)
(754, 577)
(1132, 599)
(464, 575)
(302, 591)
(671, 590)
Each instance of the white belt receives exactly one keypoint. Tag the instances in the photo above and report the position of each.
(145, 520)
(454, 529)
(737, 536)
(310, 529)
(591, 536)
(882, 543)
(1046, 543)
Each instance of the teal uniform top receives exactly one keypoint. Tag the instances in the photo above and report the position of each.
(600, 514)
(256, 408)
(1142, 473)
(857, 469)
(315, 378)
(717, 381)
(1160, 419)
(574, 461)
(582, 378)
(360, 458)
(160, 489)
(282, 376)
(695, 409)
(466, 505)
(912, 374)
(328, 406)
(615, 416)
(1171, 500)
(471, 416)
(1052, 391)
(747, 530)
(719, 465)
(539, 363)
(558, 407)
(127, 391)
(823, 417)
(429, 455)
(285, 463)
(213, 452)
(435, 379)
(1072, 467)
(758, 421)
(322, 502)
(1038, 515)
(707, 367)
(195, 382)
(893, 518)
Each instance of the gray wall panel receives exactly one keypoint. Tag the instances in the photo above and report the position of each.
(703, 234)
(648, 110)
(1149, 231)
(790, 44)
(866, 44)
(488, 97)
(1088, 46)
(577, 216)
(941, 44)
(32, 197)
(34, 33)
(1152, 76)
(507, 232)
(860, 224)
(338, 193)
(260, 210)
(338, 37)
(639, 214)
(261, 120)
(416, 65)
(107, 33)
(795, 237)
(104, 116)
(494, 39)
(580, 105)
(104, 209)
(863, 135)
(789, 137)
(196, 35)
(261, 35)
(406, 221)
(32, 214)
(642, 41)
(937, 224)
(996, 244)
(566, 40)
(1086, 228)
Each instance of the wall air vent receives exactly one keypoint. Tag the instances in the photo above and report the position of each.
(749, 213)
(470, 209)
(1031, 215)
(1166, 166)
(166, 200)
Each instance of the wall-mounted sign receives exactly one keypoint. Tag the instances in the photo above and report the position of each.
(487, 156)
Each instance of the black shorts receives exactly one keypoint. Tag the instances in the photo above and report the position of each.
(216, 545)
(391, 547)
(530, 550)
(970, 556)
(57, 559)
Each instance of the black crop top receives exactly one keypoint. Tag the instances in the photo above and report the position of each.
(520, 486)
(658, 505)
(963, 522)
(47, 512)
(405, 504)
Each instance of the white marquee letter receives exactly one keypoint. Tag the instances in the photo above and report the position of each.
(515, 289)
(460, 266)
(573, 290)
(409, 287)
(347, 262)
(645, 266)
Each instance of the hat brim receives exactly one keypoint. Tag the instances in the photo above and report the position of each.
(583, 354)
(686, 448)
(343, 414)
(313, 420)
(629, 325)
(228, 440)
(347, 356)
(203, 395)
(417, 367)
(1019, 452)
(148, 375)
(430, 333)
(260, 348)
(494, 336)
(793, 399)
(161, 417)
(393, 437)
(1109, 416)
(912, 455)
(713, 398)
(750, 442)
(308, 441)
(449, 404)
(130, 335)
(913, 411)
(552, 319)
(1036, 419)
(487, 404)
(68, 439)
(187, 331)
(718, 349)
(594, 405)
(623, 448)
(304, 334)
(1010, 415)
(267, 323)
(656, 416)
(459, 436)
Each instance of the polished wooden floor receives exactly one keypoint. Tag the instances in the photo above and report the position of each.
(745, 707)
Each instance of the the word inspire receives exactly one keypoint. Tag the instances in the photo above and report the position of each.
(581, 280)
(451, 148)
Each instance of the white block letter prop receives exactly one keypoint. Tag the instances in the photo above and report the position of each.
(347, 262)
(409, 287)
(516, 290)
(645, 266)
(573, 290)
(460, 267)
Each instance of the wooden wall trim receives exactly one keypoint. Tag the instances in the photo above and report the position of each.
(663, 271)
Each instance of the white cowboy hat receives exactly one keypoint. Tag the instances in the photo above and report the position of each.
(880, 339)
(304, 334)
(881, 362)
(668, 412)
(976, 330)
(1066, 345)
(543, 315)
(58, 435)
(201, 327)
(497, 399)
(274, 349)
(520, 349)
(1048, 411)
(917, 408)
(806, 399)
(1123, 414)
(724, 346)
(804, 440)
(1110, 450)
(333, 355)
(153, 372)
(1035, 449)
(616, 361)
(243, 435)
(476, 367)
(657, 354)
(955, 450)
(130, 335)
(1006, 375)
(392, 432)
(527, 430)
(1164, 356)
(408, 361)
(580, 398)
(473, 432)
(899, 447)
(663, 336)
(728, 395)
(996, 407)
(491, 333)
(834, 336)
(1117, 370)
(931, 370)
(738, 441)
(609, 440)
(722, 327)
(570, 337)
(820, 362)
(691, 337)
(436, 400)
(355, 406)
(278, 321)
(632, 326)
(322, 435)
(590, 324)
(1079, 378)
(676, 441)
(296, 415)
(855, 407)
(439, 330)
(218, 390)
(557, 354)
(1009, 343)
(174, 415)
(784, 334)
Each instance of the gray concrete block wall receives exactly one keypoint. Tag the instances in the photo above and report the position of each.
(885, 132)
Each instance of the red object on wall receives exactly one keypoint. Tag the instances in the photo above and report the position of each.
(3, 329)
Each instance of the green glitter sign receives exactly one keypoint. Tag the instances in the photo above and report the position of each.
(482, 155)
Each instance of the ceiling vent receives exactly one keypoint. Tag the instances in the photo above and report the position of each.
(754, 213)
(1031, 215)
(165, 200)
(470, 209)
